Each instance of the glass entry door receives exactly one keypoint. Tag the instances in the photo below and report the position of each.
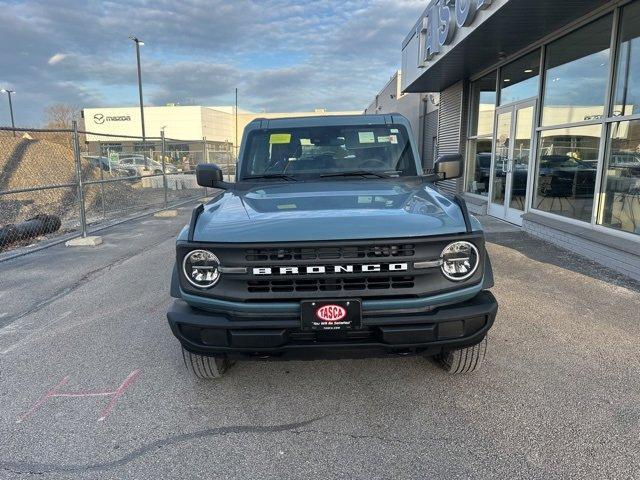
(511, 161)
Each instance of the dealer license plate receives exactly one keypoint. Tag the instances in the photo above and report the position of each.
(330, 314)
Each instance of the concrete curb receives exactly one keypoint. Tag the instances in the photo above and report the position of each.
(90, 241)
(166, 214)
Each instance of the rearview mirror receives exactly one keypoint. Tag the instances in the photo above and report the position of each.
(210, 175)
(448, 167)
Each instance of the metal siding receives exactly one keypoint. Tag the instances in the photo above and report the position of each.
(430, 131)
(449, 129)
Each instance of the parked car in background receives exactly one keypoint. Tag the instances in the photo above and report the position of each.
(111, 165)
(145, 165)
(626, 162)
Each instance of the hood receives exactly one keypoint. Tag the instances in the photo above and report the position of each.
(329, 210)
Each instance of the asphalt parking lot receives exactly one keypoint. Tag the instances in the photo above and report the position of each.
(559, 396)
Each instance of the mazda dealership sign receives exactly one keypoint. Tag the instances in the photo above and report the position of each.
(100, 118)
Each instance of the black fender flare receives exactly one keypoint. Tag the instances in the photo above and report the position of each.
(487, 281)
(174, 290)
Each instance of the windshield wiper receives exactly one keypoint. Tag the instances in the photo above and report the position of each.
(356, 173)
(283, 176)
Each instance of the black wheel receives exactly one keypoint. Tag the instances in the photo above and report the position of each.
(464, 360)
(205, 367)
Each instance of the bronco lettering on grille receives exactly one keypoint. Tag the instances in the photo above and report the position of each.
(323, 269)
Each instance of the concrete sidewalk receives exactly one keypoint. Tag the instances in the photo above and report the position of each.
(558, 397)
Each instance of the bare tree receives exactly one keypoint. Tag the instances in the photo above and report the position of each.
(61, 115)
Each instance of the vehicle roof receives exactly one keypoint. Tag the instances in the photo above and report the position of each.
(328, 120)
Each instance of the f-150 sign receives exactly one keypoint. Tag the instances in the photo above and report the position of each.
(443, 19)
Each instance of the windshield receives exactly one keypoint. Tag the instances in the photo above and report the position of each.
(298, 153)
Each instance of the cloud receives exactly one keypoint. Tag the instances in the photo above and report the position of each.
(57, 58)
(280, 54)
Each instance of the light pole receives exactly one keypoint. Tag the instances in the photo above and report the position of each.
(9, 92)
(138, 43)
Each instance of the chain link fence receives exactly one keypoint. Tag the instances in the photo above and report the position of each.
(57, 184)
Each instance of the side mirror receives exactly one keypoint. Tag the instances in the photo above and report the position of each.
(448, 167)
(210, 175)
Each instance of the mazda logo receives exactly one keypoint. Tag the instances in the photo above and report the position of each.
(98, 118)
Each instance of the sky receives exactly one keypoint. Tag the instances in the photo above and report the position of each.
(281, 55)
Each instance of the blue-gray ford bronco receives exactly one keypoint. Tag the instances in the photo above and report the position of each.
(332, 242)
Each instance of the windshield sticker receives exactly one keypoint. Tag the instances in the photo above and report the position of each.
(366, 137)
(394, 130)
(393, 139)
(385, 139)
(279, 138)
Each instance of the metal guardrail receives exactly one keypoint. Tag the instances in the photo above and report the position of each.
(57, 184)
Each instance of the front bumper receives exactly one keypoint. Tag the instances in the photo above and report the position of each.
(444, 328)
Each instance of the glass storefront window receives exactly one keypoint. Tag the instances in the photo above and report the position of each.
(627, 94)
(479, 165)
(620, 199)
(519, 79)
(503, 142)
(567, 166)
(480, 145)
(521, 157)
(483, 105)
(577, 67)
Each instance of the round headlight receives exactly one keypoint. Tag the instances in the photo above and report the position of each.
(201, 268)
(459, 260)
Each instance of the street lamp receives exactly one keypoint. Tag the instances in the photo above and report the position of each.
(138, 43)
(9, 92)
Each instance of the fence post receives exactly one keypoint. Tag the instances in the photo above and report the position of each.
(164, 169)
(227, 157)
(232, 160)
(205, 153)
(100, 155)
(76, 155)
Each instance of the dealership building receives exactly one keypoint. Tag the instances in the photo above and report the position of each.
(542, 97)
(193, 131)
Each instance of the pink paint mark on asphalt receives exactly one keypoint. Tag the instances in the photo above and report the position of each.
(54, 392)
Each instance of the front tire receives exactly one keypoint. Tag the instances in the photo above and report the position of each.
(204, 367)
(464, 360)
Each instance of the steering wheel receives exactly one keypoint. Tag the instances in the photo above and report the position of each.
(374, 163)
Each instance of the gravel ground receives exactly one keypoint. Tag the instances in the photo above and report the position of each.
(559, 395)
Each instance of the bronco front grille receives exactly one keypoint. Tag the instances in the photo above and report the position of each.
(329, 253)
(330, 284)
(291, 271)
